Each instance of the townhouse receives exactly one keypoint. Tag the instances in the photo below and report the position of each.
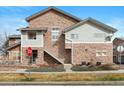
(13, 46)
(57, 37)
(116, 55)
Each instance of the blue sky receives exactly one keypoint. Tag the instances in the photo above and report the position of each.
(12, 18)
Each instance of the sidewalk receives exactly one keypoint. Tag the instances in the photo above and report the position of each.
(23, 71)
(89, 83)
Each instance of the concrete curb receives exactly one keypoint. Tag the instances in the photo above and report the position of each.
(112, 71)
(73, 83)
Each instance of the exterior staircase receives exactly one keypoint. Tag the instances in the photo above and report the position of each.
(67, 67)
(54, 56)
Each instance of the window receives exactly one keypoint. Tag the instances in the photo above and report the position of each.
(101, 53)
(32, 35)
(55, 33)
(99, 35)
(108, 38)
(74, 36)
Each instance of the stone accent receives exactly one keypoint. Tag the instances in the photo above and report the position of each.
(87, 52)
(39, 60)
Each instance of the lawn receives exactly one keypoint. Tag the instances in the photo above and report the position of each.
(96, 68)
(36, 77)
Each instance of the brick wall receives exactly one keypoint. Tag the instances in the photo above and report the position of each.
(116, 43)
(25, 58)
(87, 52)
(14, 50)
(50, 19)
(12, 41)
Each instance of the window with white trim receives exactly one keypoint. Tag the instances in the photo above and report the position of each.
(74, 36)
(55, 33)
(101, 53)
(31, 35)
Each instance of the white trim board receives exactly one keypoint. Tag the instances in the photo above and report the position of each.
(87, 42)
(32, 46)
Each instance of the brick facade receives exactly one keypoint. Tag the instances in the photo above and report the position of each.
(87, 52)
(81, 51)
(12, 41)
(116, 54)
(12, 53)
(50, 19)
(17, 48)
(25, 58)
(116, 43)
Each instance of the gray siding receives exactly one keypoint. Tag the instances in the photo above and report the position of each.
(31, 43)
(86, 33)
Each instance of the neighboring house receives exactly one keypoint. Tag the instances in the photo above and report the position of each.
(116, 54)
(57, 37)
(13, 47)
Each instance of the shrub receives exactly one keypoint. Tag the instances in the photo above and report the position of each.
(96, 68)
(59, 68)
(81, 68)
(110, 67)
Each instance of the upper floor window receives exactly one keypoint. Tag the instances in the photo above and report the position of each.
(55, 33)
(74, 36)
(32, 35)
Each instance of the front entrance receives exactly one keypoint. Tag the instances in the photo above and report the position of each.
(34, 56)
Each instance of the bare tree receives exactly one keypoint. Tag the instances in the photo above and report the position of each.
(3, 39)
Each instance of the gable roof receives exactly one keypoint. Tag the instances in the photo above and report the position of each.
(119, 38)
(13, 46)
(52, 8)
(11, 37)
(33, 28)
(14, 36)
(109, 28)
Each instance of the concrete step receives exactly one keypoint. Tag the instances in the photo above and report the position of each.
(68, 67)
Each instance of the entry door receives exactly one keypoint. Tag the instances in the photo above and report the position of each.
(34, 56)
